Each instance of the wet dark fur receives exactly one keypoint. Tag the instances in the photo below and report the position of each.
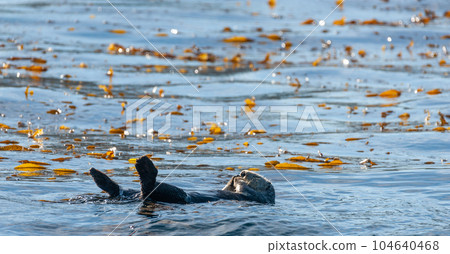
(245, 186)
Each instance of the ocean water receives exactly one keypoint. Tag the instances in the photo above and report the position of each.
(337, 110)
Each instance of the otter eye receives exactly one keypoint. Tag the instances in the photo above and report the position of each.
(242, 173)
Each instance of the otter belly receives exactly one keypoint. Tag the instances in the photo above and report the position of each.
(195, 197)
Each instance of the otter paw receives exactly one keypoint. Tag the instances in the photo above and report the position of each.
(147, 174)
(105, 183)
(146, 167)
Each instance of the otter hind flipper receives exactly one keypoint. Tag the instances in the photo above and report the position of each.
(147, 174)
(105, 183)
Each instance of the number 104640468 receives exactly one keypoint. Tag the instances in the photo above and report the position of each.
(405, 245)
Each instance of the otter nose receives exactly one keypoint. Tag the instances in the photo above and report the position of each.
(242, 173)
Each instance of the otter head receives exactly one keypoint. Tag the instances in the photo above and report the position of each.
(253, 184)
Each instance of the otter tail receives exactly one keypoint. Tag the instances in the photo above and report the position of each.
(147, 174)
(105, 183)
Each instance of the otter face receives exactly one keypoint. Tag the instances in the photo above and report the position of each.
(248, 182)
(256, 181)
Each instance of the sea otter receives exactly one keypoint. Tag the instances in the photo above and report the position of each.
(245, 186)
